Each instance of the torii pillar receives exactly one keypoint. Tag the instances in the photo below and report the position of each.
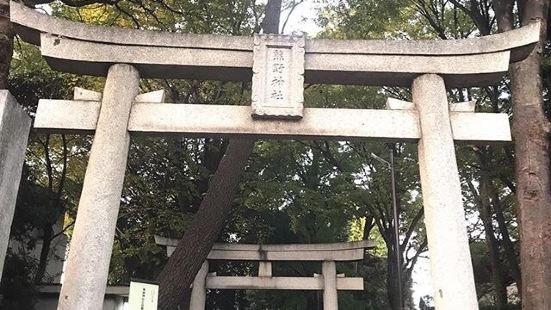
(451, 266)
(15, 125)
(94, 232)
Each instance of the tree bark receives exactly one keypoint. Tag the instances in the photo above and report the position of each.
(44, 252)
(272, 16)
(531, 136)
(6, 42)
(508, 246)
(392, 281)
(498, 274)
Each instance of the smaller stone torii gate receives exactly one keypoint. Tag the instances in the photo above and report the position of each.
(278, 67)
(329, 281)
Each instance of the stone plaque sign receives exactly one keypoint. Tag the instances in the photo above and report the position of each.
(278, 76)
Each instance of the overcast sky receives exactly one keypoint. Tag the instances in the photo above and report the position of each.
(302, 19)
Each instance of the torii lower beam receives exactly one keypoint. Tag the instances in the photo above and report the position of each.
(284, 283)
(197, 120)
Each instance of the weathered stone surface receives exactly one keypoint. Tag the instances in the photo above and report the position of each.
(281, 283)
(77, 48)
(345, 251)
(278, 77)
(82, 94)
(92, 241)
(264, 269)
(14, 132)
(31, 23)
(199, 292)
(72, 47)
(330, 298)
(57, 118)
(467, 106)
(92, 58)
(157, 96)
(451, 267)
(397, 104)
(226, 121)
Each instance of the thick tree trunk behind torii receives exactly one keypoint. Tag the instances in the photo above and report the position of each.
(180, 270)
(270, 23)
(532, 146)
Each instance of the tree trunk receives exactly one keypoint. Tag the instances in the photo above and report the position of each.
(508, 246)
(6, 42)
(272, 16)
(392, 280)
(44, 252)
(498, 275)
(531, 135)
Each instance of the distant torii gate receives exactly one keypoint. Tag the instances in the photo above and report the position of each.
(265, 254)
(278, 66)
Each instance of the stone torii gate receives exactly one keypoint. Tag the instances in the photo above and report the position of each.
(278, 66)
(328, 281)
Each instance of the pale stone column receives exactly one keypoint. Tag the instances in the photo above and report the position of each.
(451, 266)
(92, 241)
(264, 269)
(14, 132)
(330, 297)
(199, 291)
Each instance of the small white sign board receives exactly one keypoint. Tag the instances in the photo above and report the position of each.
(143, 296)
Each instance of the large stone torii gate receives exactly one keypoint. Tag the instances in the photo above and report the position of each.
(278, 66)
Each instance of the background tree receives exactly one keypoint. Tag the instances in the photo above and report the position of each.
(531, 131)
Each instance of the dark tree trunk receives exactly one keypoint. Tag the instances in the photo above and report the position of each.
(44, 252)
(510, 253)
(392, 281)
(531, 135)
(498, 275)
(272, 16)
(6, 42)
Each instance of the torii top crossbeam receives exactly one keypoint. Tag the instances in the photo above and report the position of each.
(90, 50)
